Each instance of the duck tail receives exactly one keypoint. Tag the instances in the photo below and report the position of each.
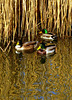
(36, 45)
(54, 36)
(50, 51)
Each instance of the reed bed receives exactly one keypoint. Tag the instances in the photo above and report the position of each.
(23, 18)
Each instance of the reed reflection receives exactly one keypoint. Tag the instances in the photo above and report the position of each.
(29, 76)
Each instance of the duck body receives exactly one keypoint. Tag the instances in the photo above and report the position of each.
(50, 49)
(31, 45)
(47, 50)
(48, 36)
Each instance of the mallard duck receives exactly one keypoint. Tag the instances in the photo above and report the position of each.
(42, 49)
(47, 35)
(32, 45)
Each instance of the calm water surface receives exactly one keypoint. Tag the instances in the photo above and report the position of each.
(31, 77)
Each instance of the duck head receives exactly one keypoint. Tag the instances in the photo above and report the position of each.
(42, 46)
(44, 31)
(18, 45)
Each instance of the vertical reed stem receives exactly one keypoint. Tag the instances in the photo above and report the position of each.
(36, 17)
(58, 18)
(19, 20)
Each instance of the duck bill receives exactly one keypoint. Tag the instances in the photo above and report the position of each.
(40, 32)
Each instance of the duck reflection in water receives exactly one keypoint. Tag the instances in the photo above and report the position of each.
(19, 54)
(43, 59)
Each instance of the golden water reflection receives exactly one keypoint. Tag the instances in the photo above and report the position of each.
(31, 77)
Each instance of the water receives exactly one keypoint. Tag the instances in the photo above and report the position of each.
(31, 77)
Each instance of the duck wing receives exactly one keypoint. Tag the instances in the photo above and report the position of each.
(50, 47)
(29, 43)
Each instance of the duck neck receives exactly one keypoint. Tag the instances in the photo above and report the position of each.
(43, 45)
(18, 47)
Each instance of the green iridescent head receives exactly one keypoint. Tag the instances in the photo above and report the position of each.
(42, 45)
(44, 31)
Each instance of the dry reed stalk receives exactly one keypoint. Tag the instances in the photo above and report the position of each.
(1, 28)
(29, 17)
(33, 22)
(13, 25)
(65, 4)
(70, 16)
(5, 27)
(7, 10)
(33, 15)
(44, 13)
(50, 16)
(58, 14)
(11, 18)
(63, 29)
(65, 7)
(47, 13)
(19, 19)
(54, 14)
(65, 13)
(41, 10)
(7, 20)
(0, 23)
(26, 23)
(14, 28)
(36, 16)
(51, 19)
(61, 16)
(4, 50)
(23, 16)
